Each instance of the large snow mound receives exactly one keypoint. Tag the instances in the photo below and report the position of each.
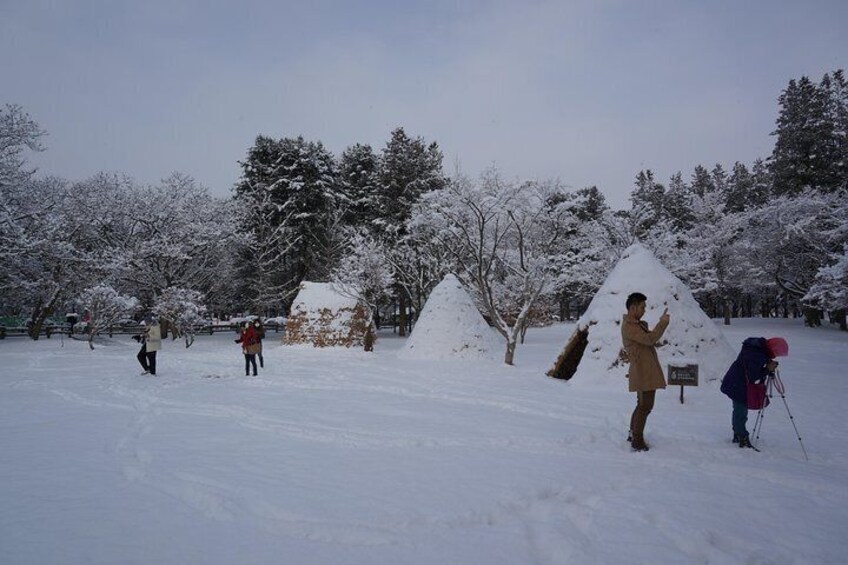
(450, 326)
(691, 336)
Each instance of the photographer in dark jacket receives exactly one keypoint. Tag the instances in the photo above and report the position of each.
(754, 363)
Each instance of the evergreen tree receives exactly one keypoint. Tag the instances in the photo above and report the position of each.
(761, 184)
(740, 188)
(702, 183)
(409, 168)
(719, 177)
(358, 175)
(678, 204)
(809, 151)
(287, 195)
(647, 202)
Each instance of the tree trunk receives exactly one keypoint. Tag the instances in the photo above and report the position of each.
(812, 317)
(726, 312)
(39, 315)
(401, 313)
(510, 352)
(842, 319)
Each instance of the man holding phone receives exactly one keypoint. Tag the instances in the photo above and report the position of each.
(645, 374)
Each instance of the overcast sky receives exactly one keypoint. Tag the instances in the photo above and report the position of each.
(587, 92)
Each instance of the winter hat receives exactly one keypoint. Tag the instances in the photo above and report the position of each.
(777, 347)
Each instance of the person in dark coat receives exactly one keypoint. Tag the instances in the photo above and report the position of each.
(754, 363)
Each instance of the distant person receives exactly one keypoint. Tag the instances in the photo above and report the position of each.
(250, 347)
(259, 328)
(151, 342)
(754, 363)
(645, 374)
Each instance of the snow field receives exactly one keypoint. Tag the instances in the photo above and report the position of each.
(345, 457)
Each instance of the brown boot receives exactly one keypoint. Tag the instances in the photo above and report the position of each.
(638, 443)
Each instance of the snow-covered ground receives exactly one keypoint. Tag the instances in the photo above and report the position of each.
(347, 457)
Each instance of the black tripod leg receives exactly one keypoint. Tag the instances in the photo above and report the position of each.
(791, 419)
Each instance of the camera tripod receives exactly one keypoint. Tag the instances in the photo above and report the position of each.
(773, 383)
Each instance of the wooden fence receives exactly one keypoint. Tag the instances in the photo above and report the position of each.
(64, 329)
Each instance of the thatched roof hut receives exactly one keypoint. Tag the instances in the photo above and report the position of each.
(323, 317)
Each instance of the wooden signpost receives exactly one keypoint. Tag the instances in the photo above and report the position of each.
(683, 375)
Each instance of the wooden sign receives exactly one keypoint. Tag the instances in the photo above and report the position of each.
(683, 375)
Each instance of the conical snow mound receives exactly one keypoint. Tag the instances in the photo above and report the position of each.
(450, 326)
(691, 336)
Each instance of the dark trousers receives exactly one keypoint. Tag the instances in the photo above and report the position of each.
(644, 405)
(249, 359)
(740, 419)
(147, 360)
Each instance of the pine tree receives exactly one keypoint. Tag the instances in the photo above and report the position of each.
(647, 202)
(810, 148)
(358, 178)
(290, 200)
(409, 168)
(740, 188)
(702, 183)
(678, 204)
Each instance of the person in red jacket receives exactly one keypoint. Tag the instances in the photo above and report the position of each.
(250, 345)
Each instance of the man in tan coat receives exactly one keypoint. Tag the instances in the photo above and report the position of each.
(645, 375)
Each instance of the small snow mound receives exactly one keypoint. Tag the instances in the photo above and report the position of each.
(450, 326)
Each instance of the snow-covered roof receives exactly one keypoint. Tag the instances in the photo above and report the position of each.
(690, 337)
(450, 326)
(316, 296)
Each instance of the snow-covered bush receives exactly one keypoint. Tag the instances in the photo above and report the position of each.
(183, 310)
(107, 308)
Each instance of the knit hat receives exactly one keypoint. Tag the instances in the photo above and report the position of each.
(777, 347)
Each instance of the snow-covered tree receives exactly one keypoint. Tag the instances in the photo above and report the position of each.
(364, 273)
(176, 234)
(289, 186)
(811, 146)
(793, 237)
(19, 133)
(107, 308)
(358, 173)
(409, 167)
(497, 233)
(830, 289)
(183, 309)
(709, 258)
(46, 256)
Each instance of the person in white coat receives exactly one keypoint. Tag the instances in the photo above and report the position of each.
(151, 342)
